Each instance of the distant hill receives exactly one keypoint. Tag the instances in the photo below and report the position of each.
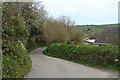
(109, 35)
(103, 33)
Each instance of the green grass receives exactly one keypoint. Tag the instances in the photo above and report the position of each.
(95, 27)
(96, 56)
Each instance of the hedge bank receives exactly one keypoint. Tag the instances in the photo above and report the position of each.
(97, 56)
(17, 63)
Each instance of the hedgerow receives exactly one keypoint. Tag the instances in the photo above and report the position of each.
(98, 56)
(17, 63)
(18, 24)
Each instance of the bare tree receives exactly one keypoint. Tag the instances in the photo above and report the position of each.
(54, 31)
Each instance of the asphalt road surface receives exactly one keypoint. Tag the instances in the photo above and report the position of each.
(48, 67)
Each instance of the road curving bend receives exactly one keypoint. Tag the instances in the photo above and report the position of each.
(48, 67)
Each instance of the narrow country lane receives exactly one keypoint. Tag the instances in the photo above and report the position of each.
(49, 67)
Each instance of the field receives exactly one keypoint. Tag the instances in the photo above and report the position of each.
(94, 31)
(95, 27)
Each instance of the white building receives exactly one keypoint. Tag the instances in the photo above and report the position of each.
(89, 41)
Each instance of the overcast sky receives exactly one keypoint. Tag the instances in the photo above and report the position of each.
(84, 11)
